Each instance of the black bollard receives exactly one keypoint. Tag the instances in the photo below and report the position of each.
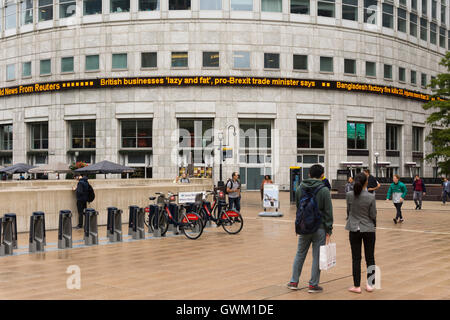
(132, 219)
(114, 224)
(37, 232)
(90, 227)
(65, 229)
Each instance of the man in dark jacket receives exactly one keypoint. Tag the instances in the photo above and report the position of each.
(419, 191)
(318, 238)
(82, 192)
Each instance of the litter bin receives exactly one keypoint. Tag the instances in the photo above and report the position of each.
(65, 229)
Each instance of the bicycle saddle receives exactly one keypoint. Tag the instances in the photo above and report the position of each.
(152, 198)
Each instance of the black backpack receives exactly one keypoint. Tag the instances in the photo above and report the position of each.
(91, 193)
(308, 218)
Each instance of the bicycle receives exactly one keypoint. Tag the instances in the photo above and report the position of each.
(189, 223)
(219, 213)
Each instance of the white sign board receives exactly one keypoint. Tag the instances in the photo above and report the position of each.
(270, 196)
(189, 197)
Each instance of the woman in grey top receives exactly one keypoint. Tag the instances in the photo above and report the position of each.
(361, 222)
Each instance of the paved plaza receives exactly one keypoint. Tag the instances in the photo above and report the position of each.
(414, 259)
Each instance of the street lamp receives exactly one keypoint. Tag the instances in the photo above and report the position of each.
(376, 154)
(220, 136)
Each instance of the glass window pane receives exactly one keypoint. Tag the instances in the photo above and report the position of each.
(401, 74)
(303, 134)
(211, 59)
(300, 6)
(92, 62)
(26, 12)
(370, 11)
(45, 67)
(136, 157)
(300, 62)
(326, 64)
(349, 66)
(401, 20)
(325, 9)
(317, 135)
(351, 130)
(423, 29)
(413, 25)
(350, 10)
(67, 8)
(45, 10)
(67, 64)
(179, 59)
(271, 5)
(92, 7)
(413, 77)
(119, 61)
(272, 60)
(361, 136)
(10, 15)
(371, 70)
(120, 5)
(241, 59)
(387, 71)
(242, 5)
(149, 60)
(210, 4)
(148, 5)
(179, 4)
(10, 72)
(26, 69)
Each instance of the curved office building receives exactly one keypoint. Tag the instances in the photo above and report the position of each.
(159, 84)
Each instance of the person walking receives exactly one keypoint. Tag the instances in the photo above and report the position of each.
(398, 191)
(361, 223)
(373, 184)
(419, 190)
(445, 190)
(318, 238)
(82, 193)
(233, 188)
(349, 185)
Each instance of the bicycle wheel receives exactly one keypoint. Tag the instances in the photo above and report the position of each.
(231, 221)
(192, 225)
(163, 223)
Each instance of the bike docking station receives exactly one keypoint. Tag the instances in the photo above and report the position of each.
(65, 229)
(8, 234)
(271, 200)
(37, 232)
(193, 201)
(173, 208)
(90, 227)
(114, 225)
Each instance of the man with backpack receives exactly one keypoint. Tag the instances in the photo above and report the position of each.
(85, 194)
(233, 189)
(313, 223)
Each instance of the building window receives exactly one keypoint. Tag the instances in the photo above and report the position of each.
(432, 83)
(414, 5)
(148, 5)
(92, 7)
(423, 29)
(417, 145)
(413, 77)
(402, 2)
(26, 69)
(388, 71)
(10, 72)
(255, 141)
(370, 11)
(310, 134)
(271, 61)
(401, 74)
(356, 135)
(120, 6)
(242, 5)
(442, 37)
(179, 4)
(26, 12)
(149, 60)
(39, 135)
(45, 10)
(67, 64)
(119, 61)
(67, 8)
(350, 66)
(241, 59)
(92, 62)
(423, 80)
(433, 33)
(10, 15)
(413, 24)
(371, 69)
(392, 132)
(401, 20)
(326, 64)
(136, 133)
(448, 37)
(45, 67)
(300, 6)
(6, 137)
(300, 62)
(179, 59)
(271, 5)
(424, 7)
(210, 4)
(350, 10)
(325, 8)
(433, 9)
(196, 142)
(83, 134)
(388, 16)
(211, 59)
(443, 12)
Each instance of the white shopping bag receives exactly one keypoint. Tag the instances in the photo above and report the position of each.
(327, 256)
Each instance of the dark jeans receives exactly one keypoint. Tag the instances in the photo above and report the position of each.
(368, 238)
(398, 206)
(445, 194)
(81, 205)
(235, 202)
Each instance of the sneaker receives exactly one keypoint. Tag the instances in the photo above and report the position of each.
(315, 289)
(417, 206)
(401, 220)
(293, 285)
(395, 220)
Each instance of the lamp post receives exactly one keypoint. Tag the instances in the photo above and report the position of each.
(376, 154)
(220, 136)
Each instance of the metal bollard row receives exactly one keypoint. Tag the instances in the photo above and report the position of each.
(114, 225)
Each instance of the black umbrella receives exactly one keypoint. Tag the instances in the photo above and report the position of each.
(17, 168)
(105, 167)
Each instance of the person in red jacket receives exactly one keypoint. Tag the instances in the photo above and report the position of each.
(419, 191)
